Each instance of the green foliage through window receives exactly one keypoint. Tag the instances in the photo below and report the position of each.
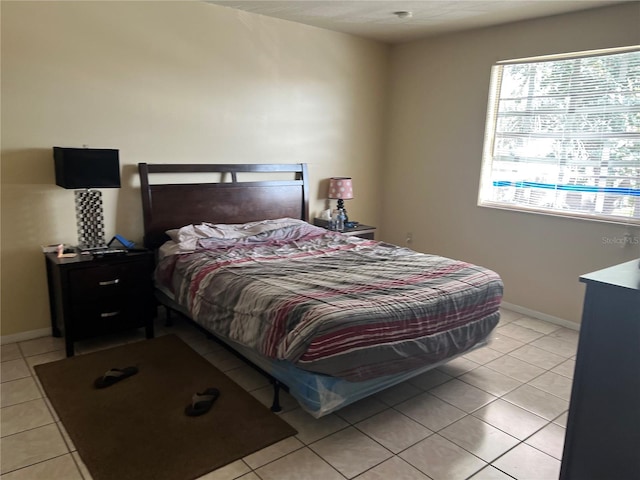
(563, 136)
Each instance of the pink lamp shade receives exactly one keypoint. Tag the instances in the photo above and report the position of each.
(340, 188)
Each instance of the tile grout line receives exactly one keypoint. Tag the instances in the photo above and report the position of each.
(35, 463)
(53, 422)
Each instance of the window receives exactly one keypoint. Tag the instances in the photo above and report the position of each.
(563, 136)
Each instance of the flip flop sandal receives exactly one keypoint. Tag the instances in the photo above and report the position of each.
(114, 376)
(201, 402)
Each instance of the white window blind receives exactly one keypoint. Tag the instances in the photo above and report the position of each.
(563, 137)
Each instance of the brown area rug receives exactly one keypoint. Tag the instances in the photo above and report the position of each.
(137, 428)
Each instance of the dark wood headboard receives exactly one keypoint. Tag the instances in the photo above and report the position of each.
(173, 205)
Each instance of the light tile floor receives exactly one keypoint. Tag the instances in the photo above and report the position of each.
(496, 413)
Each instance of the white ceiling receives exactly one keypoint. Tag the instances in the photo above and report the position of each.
(375, 19)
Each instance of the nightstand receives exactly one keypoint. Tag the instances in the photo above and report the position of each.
(362, 231)
(91, 295)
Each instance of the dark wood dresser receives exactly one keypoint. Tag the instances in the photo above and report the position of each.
(603, 427)
(92, 295)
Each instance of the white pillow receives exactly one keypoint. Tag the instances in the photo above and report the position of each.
(188, 236)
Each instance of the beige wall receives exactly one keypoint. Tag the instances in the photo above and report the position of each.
(170, 82)
(438, 103)
(191, 82)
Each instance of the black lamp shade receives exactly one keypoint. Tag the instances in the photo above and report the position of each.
(86, 167)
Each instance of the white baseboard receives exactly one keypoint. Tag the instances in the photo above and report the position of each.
(23, 336)
(541, 316)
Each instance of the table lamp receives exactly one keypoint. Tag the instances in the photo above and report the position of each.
(341, 188)
(83, 170)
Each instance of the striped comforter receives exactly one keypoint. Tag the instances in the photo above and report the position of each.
(332, 304)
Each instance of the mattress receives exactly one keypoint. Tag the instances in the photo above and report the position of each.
(321, 395)
(339, 307)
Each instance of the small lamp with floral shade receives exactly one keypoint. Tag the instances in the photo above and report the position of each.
(341, 188)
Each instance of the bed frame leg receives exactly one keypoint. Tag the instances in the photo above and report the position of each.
(275, 407)
(168, 320)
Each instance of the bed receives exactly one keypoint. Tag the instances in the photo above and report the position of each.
(331, 318)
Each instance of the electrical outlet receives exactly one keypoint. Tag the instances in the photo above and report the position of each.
(409, 238)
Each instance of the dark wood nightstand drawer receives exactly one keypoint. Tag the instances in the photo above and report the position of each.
(110, 315)
(108, 280)
(368, 235)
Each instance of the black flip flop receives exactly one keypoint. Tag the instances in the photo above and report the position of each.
(114, 376)
(201, 402)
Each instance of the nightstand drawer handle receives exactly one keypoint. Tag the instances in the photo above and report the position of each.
(109, 282)
(109, 314)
